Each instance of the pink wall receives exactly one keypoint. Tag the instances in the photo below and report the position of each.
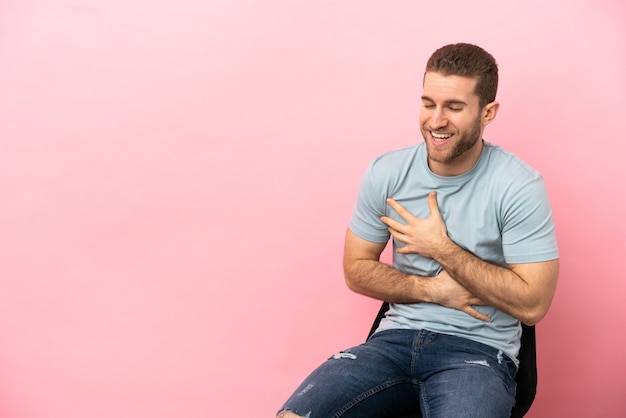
(177, 177)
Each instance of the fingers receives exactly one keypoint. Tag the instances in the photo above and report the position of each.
(392, 223)
(475, 301)
(432, 203)
(405, 214)
(470, 310)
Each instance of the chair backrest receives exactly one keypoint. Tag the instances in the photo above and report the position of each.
(526, 377)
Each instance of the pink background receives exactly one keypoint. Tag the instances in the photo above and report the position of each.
(177, 177)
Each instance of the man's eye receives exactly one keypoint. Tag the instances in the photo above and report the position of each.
(455, 109)
(429, 106)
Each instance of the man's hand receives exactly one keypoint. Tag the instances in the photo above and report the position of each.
(425, 236)
(422, 236)
(449, 293)
(523, 291)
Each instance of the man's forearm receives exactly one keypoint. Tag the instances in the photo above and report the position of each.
(365, 274)
(524, 290)
(381, 281)
(498, 286)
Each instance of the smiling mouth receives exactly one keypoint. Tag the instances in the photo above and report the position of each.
(440, 138)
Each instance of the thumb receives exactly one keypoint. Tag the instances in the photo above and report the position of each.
(432, 203)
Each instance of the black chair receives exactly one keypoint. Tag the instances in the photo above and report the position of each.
(526, 377)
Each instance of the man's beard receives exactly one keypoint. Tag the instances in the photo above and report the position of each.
(465, 142)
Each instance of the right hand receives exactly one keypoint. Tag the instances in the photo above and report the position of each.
(448, 292)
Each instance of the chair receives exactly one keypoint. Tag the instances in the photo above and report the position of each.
(526, 377)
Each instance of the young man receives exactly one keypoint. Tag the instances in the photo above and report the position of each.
(475, 254)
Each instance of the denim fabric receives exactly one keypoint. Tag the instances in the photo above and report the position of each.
(401, 371)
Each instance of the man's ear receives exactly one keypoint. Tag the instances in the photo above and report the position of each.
(489, 112)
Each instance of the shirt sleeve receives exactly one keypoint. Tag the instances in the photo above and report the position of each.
(369, 207)
(528, 233)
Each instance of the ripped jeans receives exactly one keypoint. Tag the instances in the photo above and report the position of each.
(398, 372)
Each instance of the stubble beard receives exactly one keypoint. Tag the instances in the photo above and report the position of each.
(464, 144)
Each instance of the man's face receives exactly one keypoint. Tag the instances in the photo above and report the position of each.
(451, 123)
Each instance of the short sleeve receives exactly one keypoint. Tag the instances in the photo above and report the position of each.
(528, 233)
(369, 207)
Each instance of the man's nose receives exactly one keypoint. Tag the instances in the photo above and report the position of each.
(438, 119)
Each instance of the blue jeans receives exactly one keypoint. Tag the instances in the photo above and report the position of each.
(402, 371)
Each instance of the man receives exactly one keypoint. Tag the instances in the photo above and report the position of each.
(475, 254)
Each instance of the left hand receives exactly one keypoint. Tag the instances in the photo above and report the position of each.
(423, 236)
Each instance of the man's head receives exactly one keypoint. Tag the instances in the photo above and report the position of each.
(458, 102)
(468, 60)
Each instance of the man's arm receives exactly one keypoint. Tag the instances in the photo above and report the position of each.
(524, 291)
(365, 274)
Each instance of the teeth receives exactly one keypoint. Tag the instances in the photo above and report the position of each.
(441, 136)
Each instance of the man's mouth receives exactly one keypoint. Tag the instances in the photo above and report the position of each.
(440, 138)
